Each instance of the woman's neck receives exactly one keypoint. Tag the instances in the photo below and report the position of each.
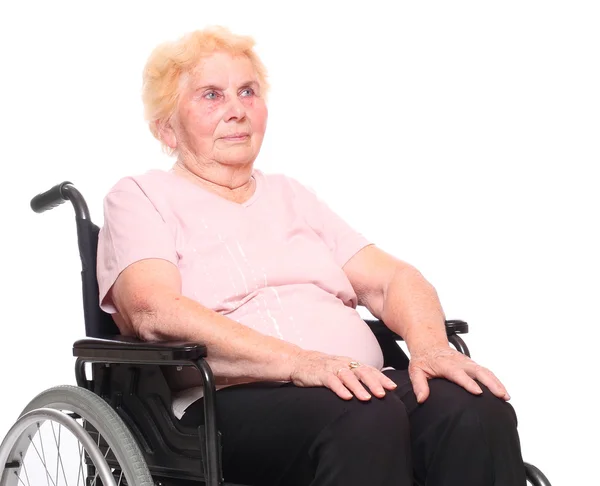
(232, 183)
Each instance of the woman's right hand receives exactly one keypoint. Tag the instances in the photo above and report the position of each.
(312, 368)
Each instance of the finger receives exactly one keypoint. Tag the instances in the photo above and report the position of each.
(460, 377)
(387, 383)
(350, 381)
(490, 380)
(419, 382)
(336, 386)
(372, 378)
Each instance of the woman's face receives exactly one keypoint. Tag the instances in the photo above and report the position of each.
(222, 115)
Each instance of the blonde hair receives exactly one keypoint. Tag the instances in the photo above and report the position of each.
(170, 61)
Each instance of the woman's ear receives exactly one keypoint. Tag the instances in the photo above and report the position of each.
(166, 133)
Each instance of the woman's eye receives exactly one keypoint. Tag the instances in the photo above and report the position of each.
(247, 92)
(211, 95)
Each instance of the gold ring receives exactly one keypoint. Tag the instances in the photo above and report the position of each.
(351, 366)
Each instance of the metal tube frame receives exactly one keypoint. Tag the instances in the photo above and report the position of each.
(459, 344)
(69, 192)
(211, 436)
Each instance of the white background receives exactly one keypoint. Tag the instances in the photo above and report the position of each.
(460, 136)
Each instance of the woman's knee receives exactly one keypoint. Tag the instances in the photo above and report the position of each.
(457, 435)
(453, 401)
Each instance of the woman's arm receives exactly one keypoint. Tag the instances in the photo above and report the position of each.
(398, 294)
(147, 295)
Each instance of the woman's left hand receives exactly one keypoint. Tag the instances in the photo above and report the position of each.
(445, 362)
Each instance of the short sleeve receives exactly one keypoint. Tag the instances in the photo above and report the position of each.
(133, 230)
(343, 240)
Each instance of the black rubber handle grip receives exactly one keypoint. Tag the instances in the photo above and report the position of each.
(50, 199)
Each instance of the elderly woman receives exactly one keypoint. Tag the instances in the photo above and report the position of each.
(259, 269)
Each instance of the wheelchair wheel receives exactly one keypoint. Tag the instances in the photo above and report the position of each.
(68, 435)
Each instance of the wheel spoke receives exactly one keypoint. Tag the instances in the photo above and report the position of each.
(58, 449)
(19, 478)
(95, 477)
(24, 469)
(48, 478)
(80, 473)
(58, 455)
(120, 477)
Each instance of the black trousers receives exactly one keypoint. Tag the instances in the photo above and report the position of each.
(280, 434)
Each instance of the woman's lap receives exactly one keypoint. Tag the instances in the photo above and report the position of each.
(267, 428)
(270, 429)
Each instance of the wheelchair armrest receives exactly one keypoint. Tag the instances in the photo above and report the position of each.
(452, 327)
(385, 335)
(123, 349)
(127, 350)
(455, 326)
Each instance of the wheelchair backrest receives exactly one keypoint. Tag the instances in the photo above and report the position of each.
(98, 323)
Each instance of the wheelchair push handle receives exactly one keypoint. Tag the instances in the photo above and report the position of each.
(51, 198)
(57, 195)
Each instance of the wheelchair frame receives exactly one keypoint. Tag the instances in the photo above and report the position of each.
(128, 373)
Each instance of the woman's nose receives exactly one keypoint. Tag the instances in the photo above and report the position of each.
(235, 109)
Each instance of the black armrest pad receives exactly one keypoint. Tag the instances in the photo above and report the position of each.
(123, 349)
(452, 327)
(456, 326)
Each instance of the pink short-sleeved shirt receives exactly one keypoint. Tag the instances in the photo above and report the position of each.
(273, 263)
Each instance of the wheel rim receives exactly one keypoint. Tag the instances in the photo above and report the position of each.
(51, 448)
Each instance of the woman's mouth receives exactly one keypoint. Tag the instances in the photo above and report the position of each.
(236, 137)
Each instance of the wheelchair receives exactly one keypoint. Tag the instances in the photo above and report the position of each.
(119, 414)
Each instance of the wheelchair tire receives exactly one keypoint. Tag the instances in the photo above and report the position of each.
(106, 421)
